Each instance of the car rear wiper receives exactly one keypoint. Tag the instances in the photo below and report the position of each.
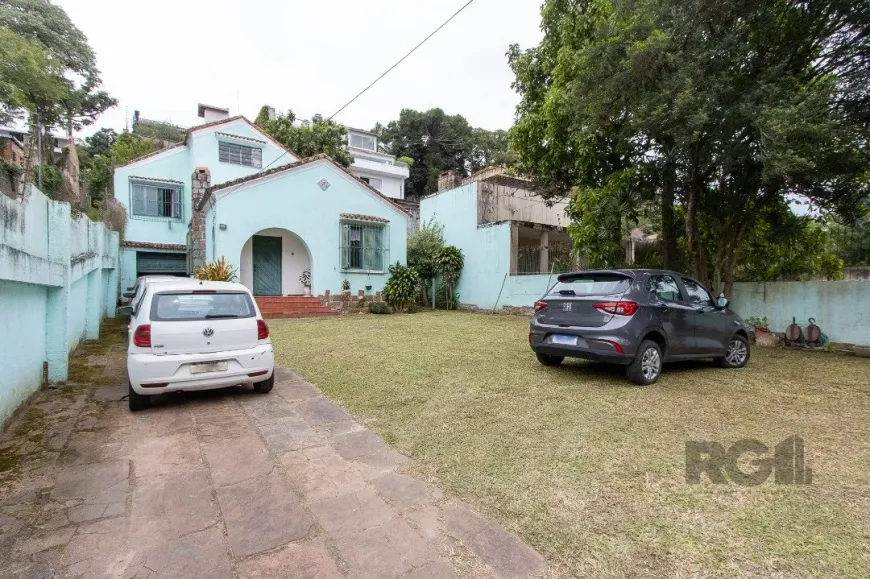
(568, 292)
(217, 316)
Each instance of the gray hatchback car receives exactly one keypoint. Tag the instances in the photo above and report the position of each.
(639, 318)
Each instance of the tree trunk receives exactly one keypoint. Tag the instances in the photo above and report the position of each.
(669, 229)
(697, 251)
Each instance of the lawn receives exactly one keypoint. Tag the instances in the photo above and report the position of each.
(591, 470)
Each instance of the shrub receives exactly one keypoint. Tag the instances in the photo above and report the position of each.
(114, 215)
(450, 262)
(424, 245)
(345, 286)
(402, 286)
(446, 299)
(379, 308)
(218, 270)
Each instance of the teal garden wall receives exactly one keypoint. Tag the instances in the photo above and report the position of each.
(58, 280)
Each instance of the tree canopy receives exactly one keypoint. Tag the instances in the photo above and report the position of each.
(440, 142)
(48, 67)
(721, 108)
(307, 138)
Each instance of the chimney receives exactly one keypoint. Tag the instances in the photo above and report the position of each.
(196, 249)
(449, 180)
(270, 112)
(209, 113)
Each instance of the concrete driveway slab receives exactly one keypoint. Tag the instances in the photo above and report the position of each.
(225, 484)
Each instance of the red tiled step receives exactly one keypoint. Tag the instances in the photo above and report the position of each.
(292, 306)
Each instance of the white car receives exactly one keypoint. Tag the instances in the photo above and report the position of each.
(134, 294)
(197, 335)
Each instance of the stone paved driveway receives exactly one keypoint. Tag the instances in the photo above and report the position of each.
(226, 484)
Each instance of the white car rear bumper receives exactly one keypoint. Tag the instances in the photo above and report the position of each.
(151, 374)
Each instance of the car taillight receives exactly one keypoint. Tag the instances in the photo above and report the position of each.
(262, 330)
(142, 336)
(540, 305)
(618, 308)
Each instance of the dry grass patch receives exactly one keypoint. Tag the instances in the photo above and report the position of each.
(589, 469)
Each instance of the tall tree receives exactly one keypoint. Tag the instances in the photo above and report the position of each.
(73, 64)
(436, 141)
(727, 107)
(307, 138)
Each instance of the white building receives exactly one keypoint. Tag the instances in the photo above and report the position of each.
(380, 170)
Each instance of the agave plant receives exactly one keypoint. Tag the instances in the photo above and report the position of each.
(217, 270)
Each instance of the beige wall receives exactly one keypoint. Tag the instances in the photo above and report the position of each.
(505, 203)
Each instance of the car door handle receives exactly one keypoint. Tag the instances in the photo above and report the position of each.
(700, 310)
(662, 307)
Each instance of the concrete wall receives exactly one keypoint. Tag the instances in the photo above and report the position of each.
(841, 308)
(58, 280)
(487, 248)
(525, 290)
(294, 201)
(498, 202)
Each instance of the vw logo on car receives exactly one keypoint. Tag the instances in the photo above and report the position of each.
(208, 332)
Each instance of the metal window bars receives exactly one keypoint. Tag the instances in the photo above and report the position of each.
(364, 246)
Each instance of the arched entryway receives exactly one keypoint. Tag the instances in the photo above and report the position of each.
(272, 262)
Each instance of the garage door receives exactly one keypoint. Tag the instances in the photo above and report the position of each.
(160, 263)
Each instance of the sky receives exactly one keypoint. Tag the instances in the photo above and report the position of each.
(163, 57)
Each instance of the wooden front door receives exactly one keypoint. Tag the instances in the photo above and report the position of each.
(267, 265)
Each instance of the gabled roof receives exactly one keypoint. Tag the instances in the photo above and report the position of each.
(191, 130)
(280, 169)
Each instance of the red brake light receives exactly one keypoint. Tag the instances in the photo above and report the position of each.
(540, 305)
(142, 336)
(262, 330)
(618, 308)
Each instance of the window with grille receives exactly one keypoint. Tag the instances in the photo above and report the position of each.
(359, 141)
(240, 154)
(153, 200)
(364, 247)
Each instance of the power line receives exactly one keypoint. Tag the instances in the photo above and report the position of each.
(455, 14)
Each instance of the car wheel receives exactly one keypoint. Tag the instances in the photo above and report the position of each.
(548, 360)
(737, 354)
(265, 386)
(136, 401)
(647, 364)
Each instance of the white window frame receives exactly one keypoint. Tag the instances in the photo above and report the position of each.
(236, 153)
(141, 208)
(362, 139)
(374, 182)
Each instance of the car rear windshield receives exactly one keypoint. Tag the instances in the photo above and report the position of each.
(592, 285)
(201, 305)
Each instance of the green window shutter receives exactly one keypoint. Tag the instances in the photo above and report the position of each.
(345, 245)
(176, 204)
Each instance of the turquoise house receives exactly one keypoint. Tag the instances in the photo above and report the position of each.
(230, 190)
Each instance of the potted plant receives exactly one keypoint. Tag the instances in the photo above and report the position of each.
(760, 332)
(305, 280)
(345, 287)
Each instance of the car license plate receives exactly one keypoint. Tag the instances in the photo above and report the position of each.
(208, 367)
(563, 339)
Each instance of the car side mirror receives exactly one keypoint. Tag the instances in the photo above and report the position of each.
(722, 302)
(125, 311)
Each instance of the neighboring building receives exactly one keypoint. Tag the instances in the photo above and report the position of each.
(231, 190)
(12, 145)
(512, 240)
(380, 170)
